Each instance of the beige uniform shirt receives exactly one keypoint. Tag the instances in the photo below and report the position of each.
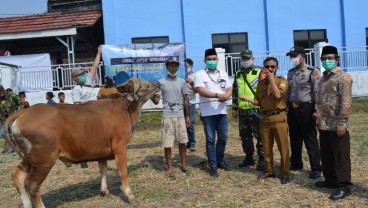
(267, 102)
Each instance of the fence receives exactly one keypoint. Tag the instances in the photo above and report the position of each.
(351, 59)
(58, 78)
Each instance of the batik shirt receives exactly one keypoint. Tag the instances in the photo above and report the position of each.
(9, 104)
(334, 100)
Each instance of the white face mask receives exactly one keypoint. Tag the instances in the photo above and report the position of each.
(173, 74)
(247, 64)
(295, 61)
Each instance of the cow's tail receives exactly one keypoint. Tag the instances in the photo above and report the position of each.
(10, 138)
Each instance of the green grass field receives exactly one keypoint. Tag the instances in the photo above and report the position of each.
(240, 187)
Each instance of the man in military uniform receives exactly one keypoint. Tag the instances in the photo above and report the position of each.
(9, 104)
(270, 96)
(301, 98)
(245, 84)
(334, 102)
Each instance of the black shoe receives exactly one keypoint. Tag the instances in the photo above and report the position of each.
(84, 165)
(213, 172)
(261, 165)
(339, 194)
(223, 166)
(246, 162)
(324, 184)
(315, 174)
(296, 167)
(284, 180)
(193, 147)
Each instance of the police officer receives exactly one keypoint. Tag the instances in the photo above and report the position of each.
(245, 84)
(270, 96)
(301, 98)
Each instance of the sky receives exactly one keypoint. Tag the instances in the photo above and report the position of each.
(13, 8)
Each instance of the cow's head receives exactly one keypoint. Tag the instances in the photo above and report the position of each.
(136, 89)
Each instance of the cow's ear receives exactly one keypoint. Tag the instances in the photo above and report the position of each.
(126, 87)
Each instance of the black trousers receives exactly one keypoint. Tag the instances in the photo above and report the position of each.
(303, 128)
(335, 155)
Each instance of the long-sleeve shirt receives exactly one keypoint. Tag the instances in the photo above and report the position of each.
(334, 100)
(9, 104)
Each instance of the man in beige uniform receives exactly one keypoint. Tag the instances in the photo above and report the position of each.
(270, 96)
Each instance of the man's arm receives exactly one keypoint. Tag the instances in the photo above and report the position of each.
(187, 109)
(346, 103)
(274, 89)
(96, 62)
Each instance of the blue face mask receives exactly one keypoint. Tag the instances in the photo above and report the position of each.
(329, 64)
(211, 65)
(82, 78)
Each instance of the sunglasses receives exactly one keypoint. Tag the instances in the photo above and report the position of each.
(270, 66)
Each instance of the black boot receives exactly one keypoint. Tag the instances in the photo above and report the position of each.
(261, 164)
(247, 162)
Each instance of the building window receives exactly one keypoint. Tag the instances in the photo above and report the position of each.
(156, 39)
(308, 38)
(231, 42)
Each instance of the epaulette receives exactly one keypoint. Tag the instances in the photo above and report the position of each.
(309, 67)
(292, 69)
(281, 77)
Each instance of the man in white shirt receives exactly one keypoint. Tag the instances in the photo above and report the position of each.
(215, 89)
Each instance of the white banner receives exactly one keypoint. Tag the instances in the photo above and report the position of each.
(33, 74)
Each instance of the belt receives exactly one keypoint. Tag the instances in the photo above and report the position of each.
(87, 86)
(298, 104)
(272, 113)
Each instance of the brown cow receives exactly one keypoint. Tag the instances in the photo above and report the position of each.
(96, 131)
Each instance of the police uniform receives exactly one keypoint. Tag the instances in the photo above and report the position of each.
(273, 124)
(301, 97)
(248, 114)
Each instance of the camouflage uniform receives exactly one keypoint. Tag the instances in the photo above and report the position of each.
(248, 116)
(9, 104)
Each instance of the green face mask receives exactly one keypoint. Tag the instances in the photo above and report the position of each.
(211, 65)
(329, 64)
(82, 78)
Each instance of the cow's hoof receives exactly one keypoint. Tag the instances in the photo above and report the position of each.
(104, 193)
(133, 202)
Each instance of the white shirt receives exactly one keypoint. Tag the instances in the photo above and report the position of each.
(217, 82)
(83, 94)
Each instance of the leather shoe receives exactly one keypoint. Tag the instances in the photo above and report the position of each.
(223, 166)
(246, 163)
(339, 194)
(315, 174)
(261, 165)
(296, 167)
(284, 180)
(213, 172)
(324, 184)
